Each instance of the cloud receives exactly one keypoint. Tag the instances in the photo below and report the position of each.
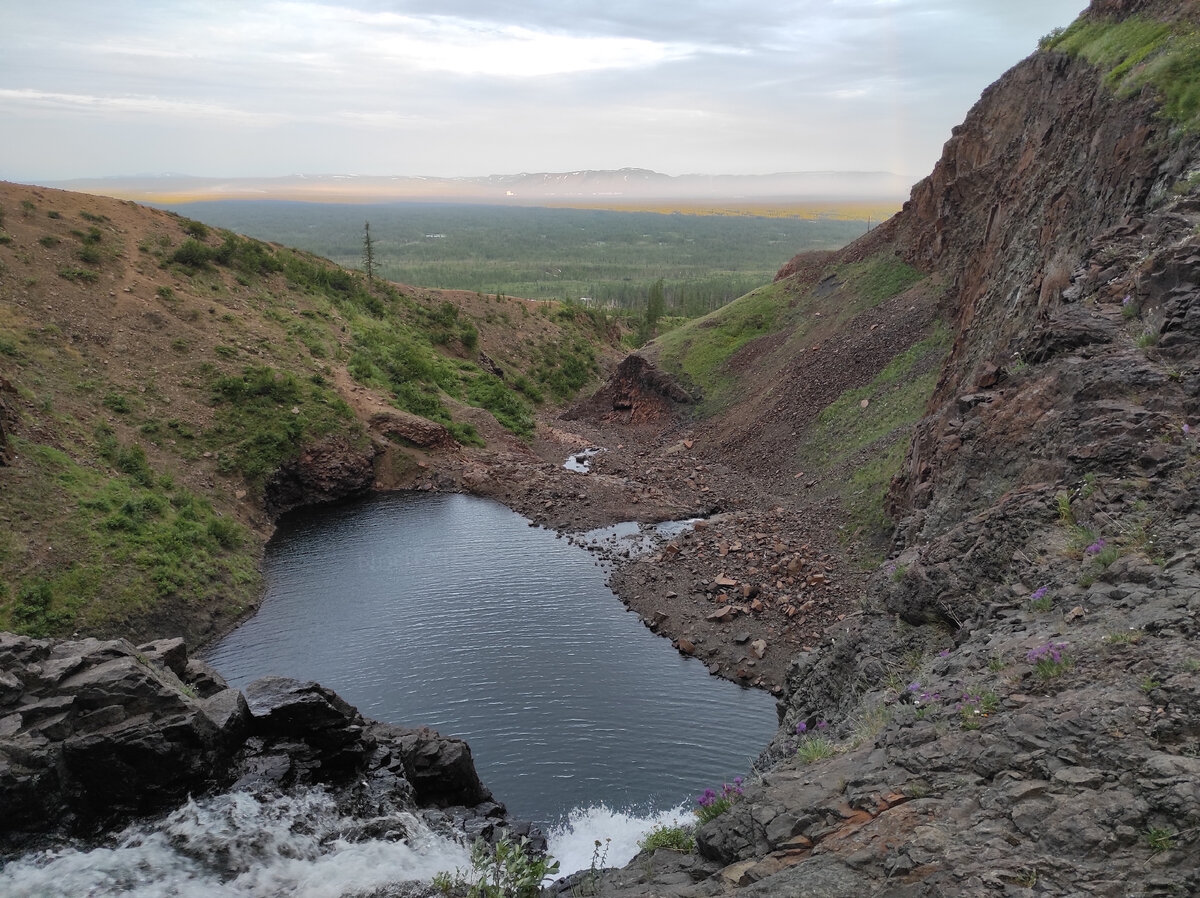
(50, 102)
(479, 86)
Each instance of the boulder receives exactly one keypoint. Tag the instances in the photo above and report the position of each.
(440, 768)
(330, 470)
(93, 733)
(407, 428)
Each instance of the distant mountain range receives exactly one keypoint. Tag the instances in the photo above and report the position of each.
(626, 184)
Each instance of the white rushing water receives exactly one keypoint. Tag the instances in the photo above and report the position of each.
(573, 843)
(237, 846)
(581, 462)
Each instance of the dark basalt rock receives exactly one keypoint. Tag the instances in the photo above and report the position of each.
(441, 769)
(95, 733)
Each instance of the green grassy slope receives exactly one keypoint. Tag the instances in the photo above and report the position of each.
(163, 370)
(850, 441)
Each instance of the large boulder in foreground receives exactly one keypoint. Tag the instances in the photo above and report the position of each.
(93, 733)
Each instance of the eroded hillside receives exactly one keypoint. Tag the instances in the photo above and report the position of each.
(169, 388)
(1015, 706)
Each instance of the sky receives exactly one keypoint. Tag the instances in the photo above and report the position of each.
(448, 88)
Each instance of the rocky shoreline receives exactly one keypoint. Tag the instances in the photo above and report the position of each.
(98, 733)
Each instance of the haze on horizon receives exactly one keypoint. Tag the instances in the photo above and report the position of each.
(468, 87)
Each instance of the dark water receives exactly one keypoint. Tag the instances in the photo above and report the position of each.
(451, 611)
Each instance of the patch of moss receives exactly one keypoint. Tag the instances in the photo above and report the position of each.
(879, 278)
(263, 416)
(1137, 52)
(124, 543)
(859, 449)
(701, 348)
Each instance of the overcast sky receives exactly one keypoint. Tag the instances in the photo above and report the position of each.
(476, 87)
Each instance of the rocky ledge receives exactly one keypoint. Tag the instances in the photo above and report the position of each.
(95, 733)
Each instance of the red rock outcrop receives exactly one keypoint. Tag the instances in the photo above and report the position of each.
(324, 472)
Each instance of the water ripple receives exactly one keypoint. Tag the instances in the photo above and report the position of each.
(453, 612)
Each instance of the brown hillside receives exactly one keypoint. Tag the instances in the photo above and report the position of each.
(157, 415)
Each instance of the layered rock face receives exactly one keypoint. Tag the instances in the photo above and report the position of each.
(1017, 710)
(93, 733)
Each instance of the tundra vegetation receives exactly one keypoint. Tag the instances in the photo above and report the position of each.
(181, 364)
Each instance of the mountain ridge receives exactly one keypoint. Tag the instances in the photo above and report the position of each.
(625, 183)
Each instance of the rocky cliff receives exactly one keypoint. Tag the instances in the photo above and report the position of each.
(94, 733)
(1016, 710)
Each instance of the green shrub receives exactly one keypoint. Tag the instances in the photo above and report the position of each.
(675, 838)
(192, 254)
(489, 392)
(34, 613)
(264, 417)
(469, 336)
(258, 382)
(117, 402)
(132, 460)
(512, 869)
(421, 401)
(465, 433)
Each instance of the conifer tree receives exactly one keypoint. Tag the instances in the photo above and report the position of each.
(368, 253)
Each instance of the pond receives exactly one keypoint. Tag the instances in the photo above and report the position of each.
(454, 612)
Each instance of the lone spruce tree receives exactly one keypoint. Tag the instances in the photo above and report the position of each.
(368, 254)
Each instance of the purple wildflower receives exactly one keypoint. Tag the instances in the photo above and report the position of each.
(1097, 547)
(822, 725)
(1051, 651)
(944, 653)
(801, 728)
(914, 687)
(1127, 300)
(1039, 592)
(1186, 429)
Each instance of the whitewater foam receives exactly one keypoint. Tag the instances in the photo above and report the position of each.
(240, 846)
(573, 842)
